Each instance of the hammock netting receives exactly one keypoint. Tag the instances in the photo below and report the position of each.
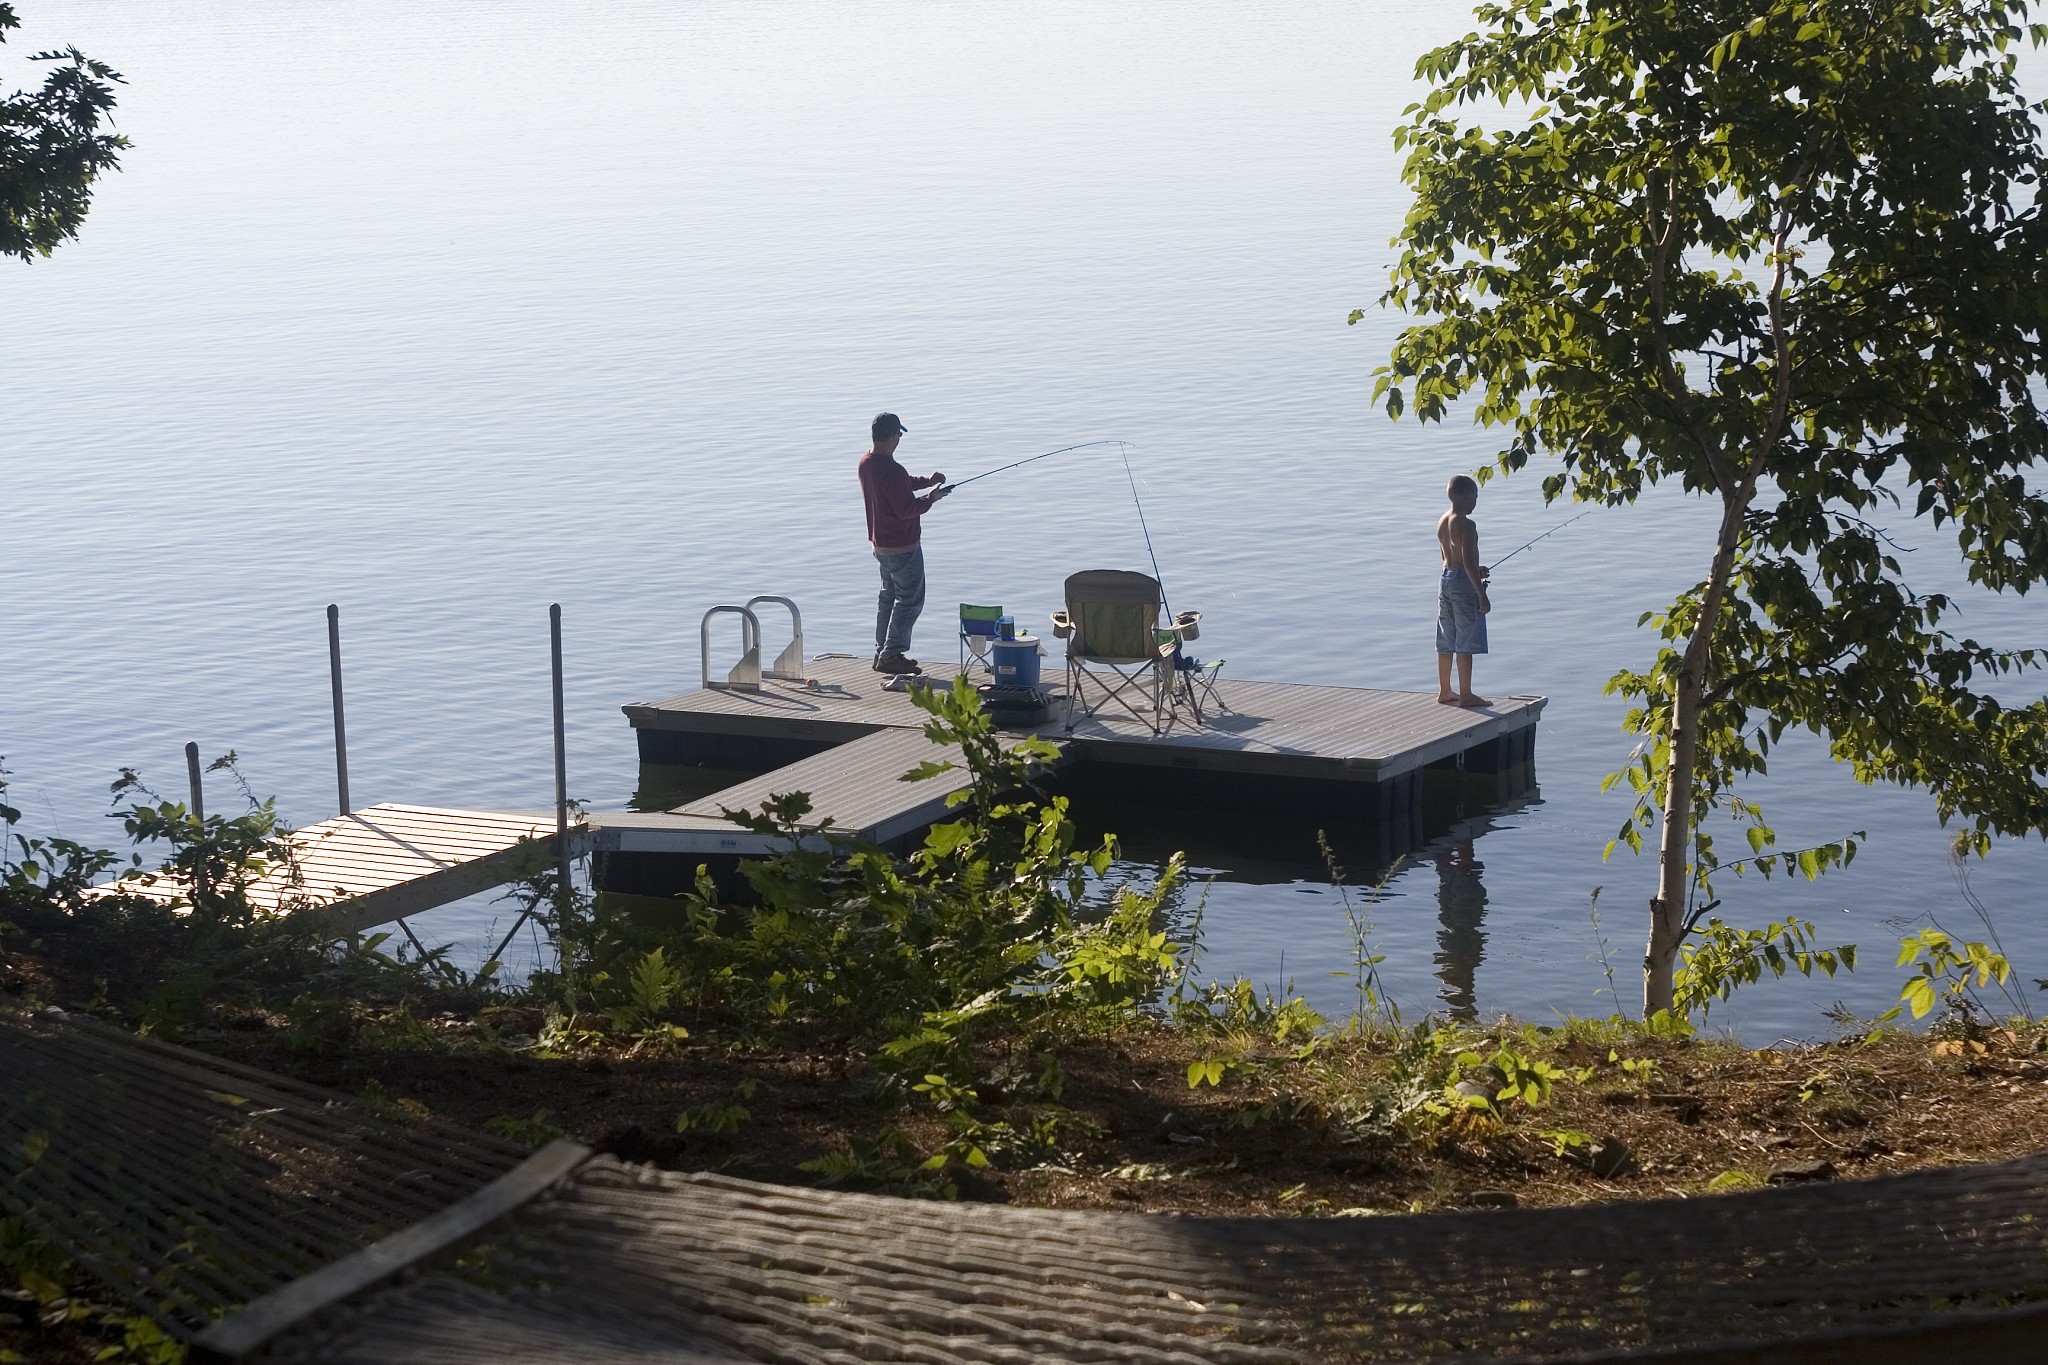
(126, 1153)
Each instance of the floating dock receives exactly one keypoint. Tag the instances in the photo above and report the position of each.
(1351, 755)
(1352, 760)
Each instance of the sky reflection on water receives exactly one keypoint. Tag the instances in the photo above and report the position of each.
(517, 304)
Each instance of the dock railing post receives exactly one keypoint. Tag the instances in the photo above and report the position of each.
(561, 768)
(192, 776)
(340, 731)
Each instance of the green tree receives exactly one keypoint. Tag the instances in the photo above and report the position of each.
(51, 149)
(1789, 255)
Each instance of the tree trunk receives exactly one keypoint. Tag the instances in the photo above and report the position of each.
(1674, 853)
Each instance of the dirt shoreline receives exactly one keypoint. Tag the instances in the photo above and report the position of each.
(1264, 1143)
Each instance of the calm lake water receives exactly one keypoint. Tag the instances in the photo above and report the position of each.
(447, 312)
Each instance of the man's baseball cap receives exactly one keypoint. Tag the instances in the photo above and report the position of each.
(886, 424)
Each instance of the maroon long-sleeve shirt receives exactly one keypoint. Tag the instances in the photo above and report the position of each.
(893, 511)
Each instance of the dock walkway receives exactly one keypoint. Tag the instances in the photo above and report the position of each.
(856, 786)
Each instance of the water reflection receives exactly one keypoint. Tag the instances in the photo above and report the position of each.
(1460, 910)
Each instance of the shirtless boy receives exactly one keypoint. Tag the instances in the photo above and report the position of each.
(1461, 604)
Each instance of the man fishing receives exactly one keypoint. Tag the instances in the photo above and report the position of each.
(894, 532)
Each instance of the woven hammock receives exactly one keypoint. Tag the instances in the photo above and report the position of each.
(328, 1230)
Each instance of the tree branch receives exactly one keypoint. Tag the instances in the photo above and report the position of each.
(1667, 370)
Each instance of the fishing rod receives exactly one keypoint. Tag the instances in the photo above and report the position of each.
(1551, 532)
(1124, 450)
(1048, 455)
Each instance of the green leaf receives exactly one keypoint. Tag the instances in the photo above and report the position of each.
(40, 1287)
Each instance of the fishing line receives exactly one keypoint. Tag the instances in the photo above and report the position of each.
(1047, 456)
(1551, 532)
(1124, 450)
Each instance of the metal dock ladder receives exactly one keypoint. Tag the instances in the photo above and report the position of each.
(746, 675)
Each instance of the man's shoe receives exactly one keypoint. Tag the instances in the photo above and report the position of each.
(895, 663)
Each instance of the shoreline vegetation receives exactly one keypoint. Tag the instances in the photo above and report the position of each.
(986, 1019)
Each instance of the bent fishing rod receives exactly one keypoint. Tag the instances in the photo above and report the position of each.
(1124, 449)
(1047, 456)
(1551, 532)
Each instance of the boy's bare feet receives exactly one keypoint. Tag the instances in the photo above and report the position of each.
(1446, 699)
(1473, 701)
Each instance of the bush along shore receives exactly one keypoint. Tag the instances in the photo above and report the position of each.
(991, 1018)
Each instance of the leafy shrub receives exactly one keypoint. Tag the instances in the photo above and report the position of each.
(1726, 957)
(990, 922)
(179, 935)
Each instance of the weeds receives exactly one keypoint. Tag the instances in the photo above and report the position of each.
(178, 938)
(1605, 957)
(1372, 996)
(1944, 970)
(45, 1282)
(1726, 957)
(719, 1118)
(534, 1131)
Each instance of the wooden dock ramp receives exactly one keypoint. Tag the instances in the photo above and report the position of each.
(388, 862)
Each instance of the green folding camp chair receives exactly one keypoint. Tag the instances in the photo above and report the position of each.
(977, 628)
(1117, 648)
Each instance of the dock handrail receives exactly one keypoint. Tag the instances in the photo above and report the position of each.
(746, 675)
(790, 663)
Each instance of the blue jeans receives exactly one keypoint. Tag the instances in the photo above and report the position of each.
(901, 600)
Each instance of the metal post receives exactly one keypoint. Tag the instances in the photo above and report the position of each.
(561, 795)
(192, 774)
(561, 761)
(340, 731)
